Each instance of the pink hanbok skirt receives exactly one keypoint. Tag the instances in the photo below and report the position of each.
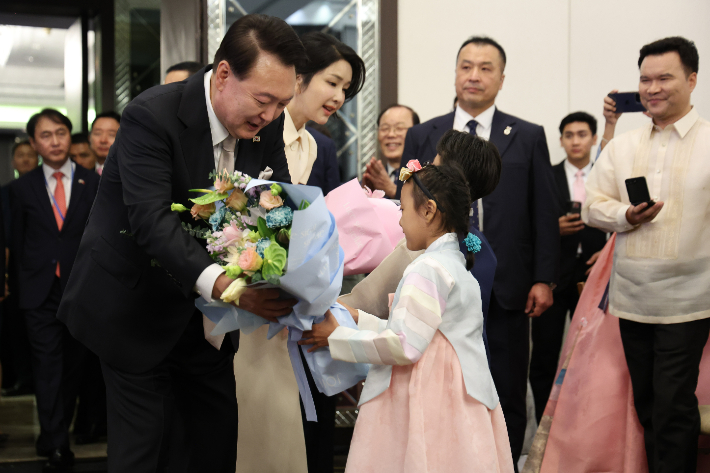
(426, 422)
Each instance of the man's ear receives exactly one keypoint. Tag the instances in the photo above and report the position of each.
(221, 73)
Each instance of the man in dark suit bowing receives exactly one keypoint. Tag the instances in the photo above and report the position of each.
(580, 246)
(50, 206)
(519, 218)
(132, 298)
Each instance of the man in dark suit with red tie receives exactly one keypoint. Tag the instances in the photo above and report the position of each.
(519, 218)
(50, 206)
(132, 299)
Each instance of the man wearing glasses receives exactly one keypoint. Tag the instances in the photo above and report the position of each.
(392, 126)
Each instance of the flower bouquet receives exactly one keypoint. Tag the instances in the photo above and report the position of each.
(271, 234)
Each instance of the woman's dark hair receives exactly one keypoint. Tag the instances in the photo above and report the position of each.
(252, 34)
(51, 114)
(447, 184)
(323, 50)
(478, 158)
(685, 48)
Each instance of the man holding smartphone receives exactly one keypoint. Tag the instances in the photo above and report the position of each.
(580, 246)
(659, 283)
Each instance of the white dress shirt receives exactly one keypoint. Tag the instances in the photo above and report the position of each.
(484, 120)
(483, 130)
(661, 268)
(67, 170)
(206, 281)
(571, 173)
(99, 168)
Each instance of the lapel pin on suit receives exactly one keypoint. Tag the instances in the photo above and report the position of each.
(81, 181)
(256, 139)
(507, 130)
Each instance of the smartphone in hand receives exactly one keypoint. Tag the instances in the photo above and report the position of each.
(574, 207)
(638, 191)
(627, 102)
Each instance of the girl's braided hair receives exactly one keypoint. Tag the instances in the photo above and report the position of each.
(447, 183)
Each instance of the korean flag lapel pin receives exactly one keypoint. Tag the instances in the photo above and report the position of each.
(256, 139)
(81, 181)
(507, 130)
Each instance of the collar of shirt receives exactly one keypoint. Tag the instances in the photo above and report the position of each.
(389, 168)
(484, 119)
(683, 125)
(99, 166)
(291, 135)
(66, 169)
(219, 132)
(571, 169)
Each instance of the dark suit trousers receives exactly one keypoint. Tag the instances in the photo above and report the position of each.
(509, 342)
(192, 391)
(319, 436)
(91, 412)
(547, 333)
(56, 364)
(664, 363)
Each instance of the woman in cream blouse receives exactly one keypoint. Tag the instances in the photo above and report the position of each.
(271, 437)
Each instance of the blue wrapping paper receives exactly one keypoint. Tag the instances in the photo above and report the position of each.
(314, 276)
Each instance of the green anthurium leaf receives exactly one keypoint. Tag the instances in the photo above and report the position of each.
(265, 231)
(208, 198)
(275, 258)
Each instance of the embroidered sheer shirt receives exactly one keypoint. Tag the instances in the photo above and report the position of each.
(662, 268)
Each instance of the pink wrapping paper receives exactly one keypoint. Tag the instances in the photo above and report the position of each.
(368, 227)
(595, 427)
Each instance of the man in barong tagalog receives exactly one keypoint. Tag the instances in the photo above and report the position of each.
(131, 296)
(659, 282)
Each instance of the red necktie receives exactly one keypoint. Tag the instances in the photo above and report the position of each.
(60, 205)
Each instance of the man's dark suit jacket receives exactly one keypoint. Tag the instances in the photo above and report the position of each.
(37, 242)
(572, 269)
(126, 309)
(326, 172)
(520, 215)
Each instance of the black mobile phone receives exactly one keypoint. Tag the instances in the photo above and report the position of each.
(627, 102)
(638, 191)
(574, 207)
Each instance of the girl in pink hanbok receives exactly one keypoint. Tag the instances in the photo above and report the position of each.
(429, 403)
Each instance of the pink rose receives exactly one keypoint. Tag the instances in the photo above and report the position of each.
(236, 200)
(250, 260)
(223, 183)
(231, 234)
(270, 201)
(413, 165)
(202, 211)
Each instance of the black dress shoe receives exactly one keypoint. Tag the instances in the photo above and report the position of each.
(17, 390)
(60, 459)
